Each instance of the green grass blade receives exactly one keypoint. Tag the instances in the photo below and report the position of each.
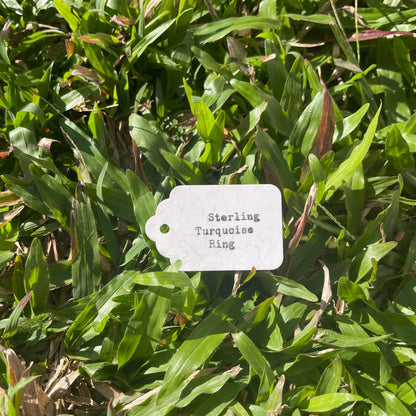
(199, 346)
(150, 139)
(210, 32)
(347, 125)
(212, 132)
(151, 37)
(55, 195)
(331, 378)
(253, 356)
(383, 398)
(291, 99)
(255, 315)
(334, 339)
(170, 279)
(12, 321)
(100, 63)
(86, 268)
(115, 200)
(398, 152)
(204, 385)
(303, 132)
(215, 404)
(328, 402)
(23, 140)
(37, 277)
(185, 170)
(98, 307)
(144, 206)
(288, 287)
(350, 291)
(407, 392)
(374, 252)
(347, 168)
(66, 11)
(104, 221)
(18, 281)
(274, 114)
(9, 232)
(144, 329)
(275, 68)
(93, 157)
(277, 169)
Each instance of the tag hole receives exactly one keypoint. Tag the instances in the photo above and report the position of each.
(164, 228)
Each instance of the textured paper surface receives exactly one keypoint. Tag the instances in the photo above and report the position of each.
(220, 227)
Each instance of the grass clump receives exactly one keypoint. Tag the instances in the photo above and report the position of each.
(106, 106)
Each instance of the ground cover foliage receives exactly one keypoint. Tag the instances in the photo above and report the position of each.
(106, 106)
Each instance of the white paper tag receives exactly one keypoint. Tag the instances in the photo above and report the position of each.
(220, 227)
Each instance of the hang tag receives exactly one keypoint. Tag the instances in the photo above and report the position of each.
(220, 227)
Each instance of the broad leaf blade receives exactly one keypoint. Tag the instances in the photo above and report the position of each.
(199, 345)
(86, 269)
(277, 168)
(37, 277)
(347, 168)
(144, 329)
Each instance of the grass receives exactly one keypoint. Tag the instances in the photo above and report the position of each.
(106, 106)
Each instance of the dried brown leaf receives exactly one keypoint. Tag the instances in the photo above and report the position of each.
(306, 45)
(70, 47)
(301, 222)
(150, 7)
(5, 153)
(15, 367)
(61, 388)
(268, 58)
(89, 39)
(122, 21)
(322, 142)
(202, 372)
(4, 32)
(9, 215)
(233, 371)
(210, 8)
(67, 83)
(234, 176)
(46, 143)
(377, 34)
(86, 73)
(181, 318)
(8, 198)
(237, 280)
(25, 299)
(326, 297)
(340, 307)
(46, 405)
(107, 391)
(80, 400)
(30, 403)
(138, 400)
(35, 401)
(83, 389)
(57, 374)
